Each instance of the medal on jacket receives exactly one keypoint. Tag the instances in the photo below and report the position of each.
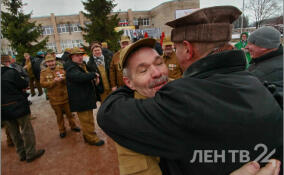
(59, 74)
(49, 77)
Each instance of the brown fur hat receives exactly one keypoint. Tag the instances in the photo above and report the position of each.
(211, 24)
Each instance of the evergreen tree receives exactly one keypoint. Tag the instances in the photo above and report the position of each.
(102, 23)
(17, 28)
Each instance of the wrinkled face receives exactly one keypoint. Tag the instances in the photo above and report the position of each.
(256, 51)
(182, 54)
(77, 58)
(244, 37)
(51, 64)
(97, 52)
(124, 44)
(147, 72)
(168, 50)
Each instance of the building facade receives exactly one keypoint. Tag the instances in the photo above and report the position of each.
(64, 31)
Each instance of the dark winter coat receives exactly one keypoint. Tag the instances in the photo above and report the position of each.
(269, 67)
(14, 102)
(36, 66)
(217, 106)
(107, 52)
(21, 70)
(80, 87)
(65, 56)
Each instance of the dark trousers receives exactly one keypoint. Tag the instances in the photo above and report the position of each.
(25, 140)
(33, 82)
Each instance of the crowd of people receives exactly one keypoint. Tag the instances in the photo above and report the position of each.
(200, 93)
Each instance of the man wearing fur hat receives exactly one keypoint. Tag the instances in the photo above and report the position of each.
(170, 60)
(53, 79)
(216, 108)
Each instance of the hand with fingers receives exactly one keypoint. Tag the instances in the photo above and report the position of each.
(253, 168)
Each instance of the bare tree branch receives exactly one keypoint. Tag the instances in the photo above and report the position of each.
(262, 9)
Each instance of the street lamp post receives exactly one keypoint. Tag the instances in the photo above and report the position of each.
(242, 23)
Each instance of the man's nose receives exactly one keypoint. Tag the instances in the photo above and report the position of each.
(156, 72)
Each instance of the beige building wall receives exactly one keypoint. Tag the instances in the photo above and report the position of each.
(166, 12)
(157, 16)
(56, 37)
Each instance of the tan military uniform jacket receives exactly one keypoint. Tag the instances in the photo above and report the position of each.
(56, 91)
(116, 75)
(133, 163)
(29, 68)
(175, 71)
(105, 82)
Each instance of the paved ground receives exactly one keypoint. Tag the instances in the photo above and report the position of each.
(68, 156)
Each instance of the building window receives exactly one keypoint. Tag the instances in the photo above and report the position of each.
(51, 46)
(145, 22)
(123, 22)
(47, 30)
(62, 28)
(135, 22)
(70, 43)
(75, 28)
(66, 44)
(77, 43)
(65, 28)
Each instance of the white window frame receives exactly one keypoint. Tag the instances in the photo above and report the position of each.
(48, 30)
(145, 21)
(51, 46)
(135, 22)
(66, 44)
(77, 43)
(75, 28)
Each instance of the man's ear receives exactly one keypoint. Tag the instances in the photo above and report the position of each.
(127, 81)
(188, 49)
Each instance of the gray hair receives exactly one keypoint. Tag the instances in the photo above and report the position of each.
(125, 72)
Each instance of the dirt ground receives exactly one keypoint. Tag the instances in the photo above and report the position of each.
(67, 156)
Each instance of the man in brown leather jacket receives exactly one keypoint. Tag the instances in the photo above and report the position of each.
(53, 78)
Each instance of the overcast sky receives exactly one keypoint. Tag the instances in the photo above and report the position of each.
(67, 7)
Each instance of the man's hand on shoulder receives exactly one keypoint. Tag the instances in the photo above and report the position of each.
(253, 168)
